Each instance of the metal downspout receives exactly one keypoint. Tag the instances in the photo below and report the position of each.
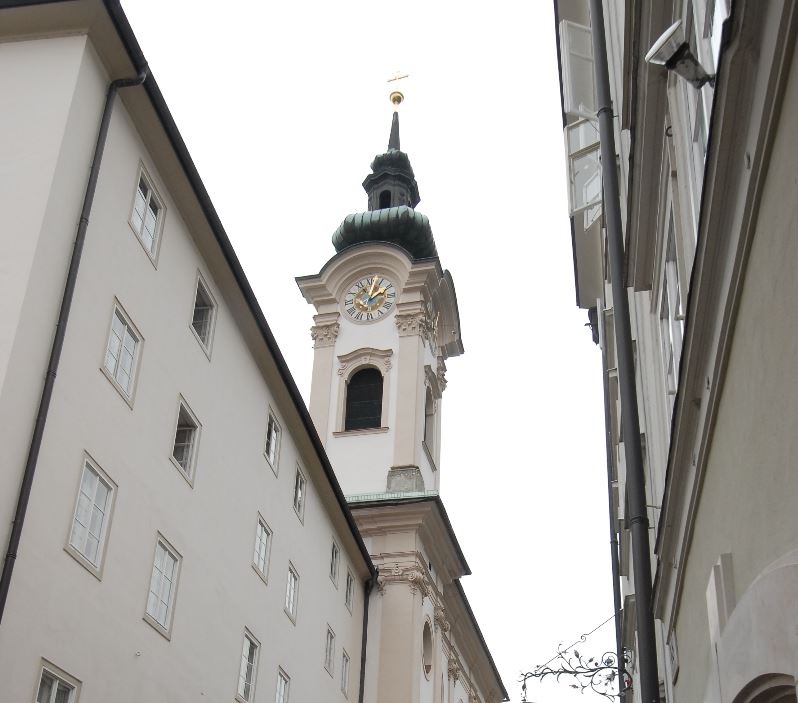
(614, 558)
(635, 479)
(365, 636)
(26, 484)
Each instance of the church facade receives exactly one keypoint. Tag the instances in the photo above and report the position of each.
(176, 524)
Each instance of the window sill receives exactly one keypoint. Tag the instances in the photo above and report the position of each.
(127, 398)
(273, 466)
(95, 571)
(188, 479)
(206, 348)
(292, 618)
(367, 430)
(263, 577)
(155, 625)
(153, 257)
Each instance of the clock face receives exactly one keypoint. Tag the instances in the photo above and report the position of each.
(369, 298)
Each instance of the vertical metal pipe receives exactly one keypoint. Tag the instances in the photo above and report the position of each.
(365, 636)
(26, 485)
(635, 479)
(616, 583)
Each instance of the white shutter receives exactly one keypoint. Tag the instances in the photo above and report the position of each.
(579, 90)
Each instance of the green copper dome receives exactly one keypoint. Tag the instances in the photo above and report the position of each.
(400, 225)
(393, 193)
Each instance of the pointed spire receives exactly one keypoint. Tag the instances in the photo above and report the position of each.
(393, 141)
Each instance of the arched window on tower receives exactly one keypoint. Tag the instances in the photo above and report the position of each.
(385, 199)
(429, 420)
(364, 400)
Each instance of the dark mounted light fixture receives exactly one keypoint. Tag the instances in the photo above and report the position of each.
(672, 51)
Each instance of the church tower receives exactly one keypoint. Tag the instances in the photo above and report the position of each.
(386, 322)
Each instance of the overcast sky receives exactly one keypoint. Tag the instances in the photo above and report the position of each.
(283, 105)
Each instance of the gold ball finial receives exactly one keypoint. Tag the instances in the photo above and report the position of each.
(396, 97)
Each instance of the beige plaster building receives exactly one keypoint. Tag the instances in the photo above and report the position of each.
(175, 520)
(708, 202)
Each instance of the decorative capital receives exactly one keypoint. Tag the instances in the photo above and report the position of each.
(324, 335)
(454, 670)
(441, 621)
(411, 323)
(441, 373)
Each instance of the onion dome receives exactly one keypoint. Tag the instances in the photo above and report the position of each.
(392, 194)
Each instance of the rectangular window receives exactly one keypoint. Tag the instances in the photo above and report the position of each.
(283, 684)
(345, 673)
(329, 651)
(263, 542)
(248, 671)
(92, 512)
(291, 589)
(335, 557)
(121, 355)
(299, 493)
(272, 449)
(163, 584)
(147, 215)
(204, 315)
(54, 689)
(350, 589)
(579, 91)
(184, 449)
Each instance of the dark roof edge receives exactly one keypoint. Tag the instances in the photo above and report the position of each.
(475, 625)
(136, 55)
(424, 499)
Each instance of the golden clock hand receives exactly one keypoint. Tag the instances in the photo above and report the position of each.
(374, 283)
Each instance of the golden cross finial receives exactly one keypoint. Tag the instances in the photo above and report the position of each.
(396, 96)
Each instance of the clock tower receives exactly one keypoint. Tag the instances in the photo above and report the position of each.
(386, 322)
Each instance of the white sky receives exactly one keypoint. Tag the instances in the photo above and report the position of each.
(283, 106)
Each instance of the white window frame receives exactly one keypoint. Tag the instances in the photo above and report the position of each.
(570, 56)
(329, 651)
(345, 661)
(300, 493)
(282, 692)
(187, 472)
(262, 572)
(291, 593)
(127, 393)
(59, 676)
(335, 562)
(249, 640)
(349, 594)
(205, 345)
(73, 550)
(152, 251)
(164, 629)
(273, 422)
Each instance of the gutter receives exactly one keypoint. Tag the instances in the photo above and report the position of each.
(26, 484)
(369, 584)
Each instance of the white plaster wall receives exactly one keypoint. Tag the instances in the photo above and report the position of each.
(40, 198)
(94, 628)
(747, 505)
